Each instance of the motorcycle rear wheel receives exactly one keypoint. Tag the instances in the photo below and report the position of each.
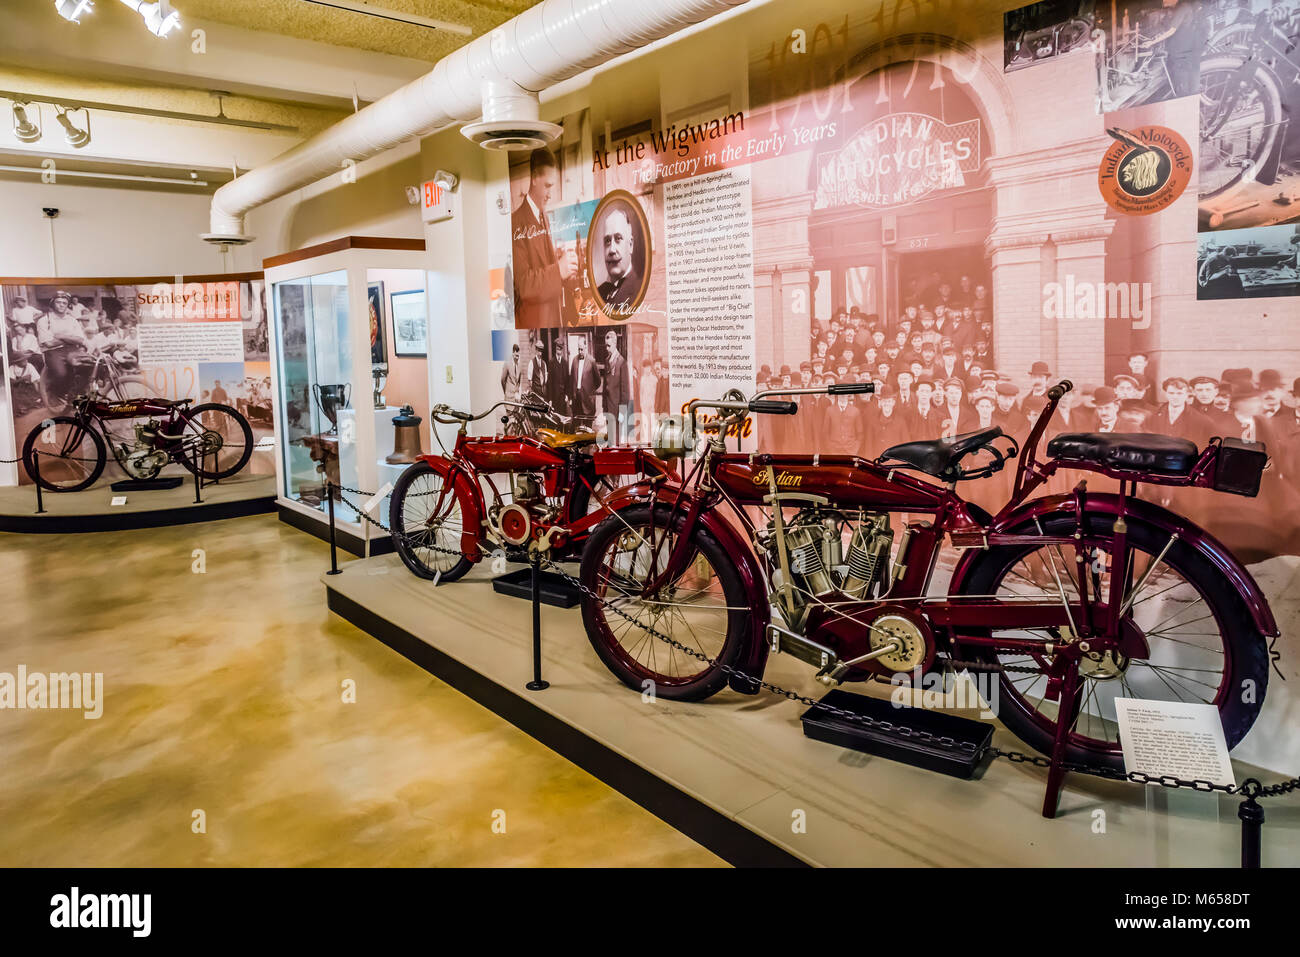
(1222, 660)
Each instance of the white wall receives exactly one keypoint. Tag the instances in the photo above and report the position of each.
(103, 232)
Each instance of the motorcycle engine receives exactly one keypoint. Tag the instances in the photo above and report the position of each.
(514, 523)
(819, 563)
(143, 460)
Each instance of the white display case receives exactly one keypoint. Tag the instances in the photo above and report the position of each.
(326, 341)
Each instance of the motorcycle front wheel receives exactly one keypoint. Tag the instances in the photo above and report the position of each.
(72, 457)
(426, 520)
(1203, 645)
(703, 610)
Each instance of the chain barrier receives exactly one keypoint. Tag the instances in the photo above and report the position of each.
(1252, 789)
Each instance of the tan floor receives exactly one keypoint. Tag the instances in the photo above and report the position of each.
(223, 693)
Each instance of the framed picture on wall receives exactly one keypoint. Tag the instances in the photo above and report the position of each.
(410, 323)
(378, 345)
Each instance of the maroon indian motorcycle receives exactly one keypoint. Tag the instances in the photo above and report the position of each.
(1073, 599)
(73, 449)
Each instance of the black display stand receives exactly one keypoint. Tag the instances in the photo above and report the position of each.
(554, 590)
(954, 759)
(148, 485)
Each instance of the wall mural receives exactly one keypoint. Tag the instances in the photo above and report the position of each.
(963, 209)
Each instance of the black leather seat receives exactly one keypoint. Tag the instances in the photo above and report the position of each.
(1127, 451)
(939, 457)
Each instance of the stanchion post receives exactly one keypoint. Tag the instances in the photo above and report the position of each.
(198, 467)
(1251, 814)
(36, 464)
(334, 553)
(537, 684)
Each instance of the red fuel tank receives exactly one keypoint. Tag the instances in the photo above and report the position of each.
(500, 454)
(845, 480)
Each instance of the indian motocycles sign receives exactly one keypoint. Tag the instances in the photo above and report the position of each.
(897, 159)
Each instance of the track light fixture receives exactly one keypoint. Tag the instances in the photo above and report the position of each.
(24, 129)
(72, 10)
(159, 17)
(77, 138)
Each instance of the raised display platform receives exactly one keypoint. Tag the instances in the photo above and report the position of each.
(738, 775)
(93, 511)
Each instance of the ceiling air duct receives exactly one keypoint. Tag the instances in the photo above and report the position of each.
(491, 84)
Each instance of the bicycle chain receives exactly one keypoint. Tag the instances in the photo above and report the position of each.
(1251, 788)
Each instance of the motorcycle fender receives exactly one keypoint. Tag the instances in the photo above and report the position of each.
(460, 478)
(753, 659)
(1144, 511)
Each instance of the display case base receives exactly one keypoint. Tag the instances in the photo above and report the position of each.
(93, 511)
(737, 774)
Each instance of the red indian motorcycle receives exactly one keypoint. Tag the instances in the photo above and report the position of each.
(1073, 599)
(440, 518)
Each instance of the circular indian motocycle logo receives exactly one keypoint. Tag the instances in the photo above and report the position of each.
(1144, 170)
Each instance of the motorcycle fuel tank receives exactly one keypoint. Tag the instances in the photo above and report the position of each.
(845, 480)
(510, 454)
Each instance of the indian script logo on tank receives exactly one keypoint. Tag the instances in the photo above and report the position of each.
(898, 159)
(783, 479)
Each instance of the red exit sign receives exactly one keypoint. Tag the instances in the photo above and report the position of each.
(435, 203)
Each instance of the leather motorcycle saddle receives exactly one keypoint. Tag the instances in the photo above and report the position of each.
(1127, 451)
(555, 439)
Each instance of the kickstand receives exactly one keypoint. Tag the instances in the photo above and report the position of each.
(1067, 713)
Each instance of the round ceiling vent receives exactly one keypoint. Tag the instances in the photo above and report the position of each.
(226, 239)
(512, 134)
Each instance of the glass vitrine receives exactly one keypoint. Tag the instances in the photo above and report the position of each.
(334, 361)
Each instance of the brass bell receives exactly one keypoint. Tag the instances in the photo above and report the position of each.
(406, 437)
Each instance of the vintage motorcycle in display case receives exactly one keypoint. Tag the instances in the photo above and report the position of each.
(441, 520)
(1072, 599)
(211, 438)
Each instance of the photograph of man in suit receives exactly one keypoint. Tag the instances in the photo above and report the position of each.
(616, 390)
(618, 245)
(512, 376)
(558, 377)
(539, 273)
(584, 383)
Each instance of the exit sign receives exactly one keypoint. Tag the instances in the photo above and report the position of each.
(435, 203)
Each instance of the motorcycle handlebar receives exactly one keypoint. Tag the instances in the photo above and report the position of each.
(851, 388)
(773, 407)
(1058, 390)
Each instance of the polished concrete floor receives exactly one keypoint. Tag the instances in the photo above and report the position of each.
(225, 737)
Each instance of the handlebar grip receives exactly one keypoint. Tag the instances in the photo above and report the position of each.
(1058, 390)
(540, 409)
(773, 406)
(851, 388)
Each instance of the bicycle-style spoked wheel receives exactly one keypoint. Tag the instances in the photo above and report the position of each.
(427, 518)
(221, 437)
(1240, 124)
(1202, 645)
(703, 607)
(72, 456)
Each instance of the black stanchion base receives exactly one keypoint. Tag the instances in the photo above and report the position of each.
(335, 571)
(148, 485)
(537, 685)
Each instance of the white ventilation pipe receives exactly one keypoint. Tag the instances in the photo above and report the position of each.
(498, 75)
